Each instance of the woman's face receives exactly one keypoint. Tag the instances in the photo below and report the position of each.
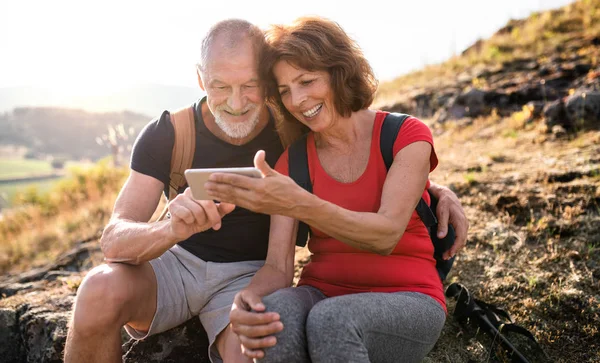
(306, 95)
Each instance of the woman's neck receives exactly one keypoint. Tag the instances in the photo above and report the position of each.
(346, 131)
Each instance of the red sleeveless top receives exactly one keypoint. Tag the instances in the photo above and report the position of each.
(338, 269)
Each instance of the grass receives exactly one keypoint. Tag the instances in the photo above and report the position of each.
(537, 258)
(44, 224)
(16, 168)
(23, 168)
(8, 191)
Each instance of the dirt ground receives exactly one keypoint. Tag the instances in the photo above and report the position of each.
(533, 203)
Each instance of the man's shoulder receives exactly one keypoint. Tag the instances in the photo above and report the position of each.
(157, 127)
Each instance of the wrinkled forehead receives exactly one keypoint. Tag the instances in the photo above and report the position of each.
(238, 63)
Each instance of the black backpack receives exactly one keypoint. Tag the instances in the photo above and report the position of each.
(298, 171)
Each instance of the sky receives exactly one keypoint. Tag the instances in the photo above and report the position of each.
(94, 47)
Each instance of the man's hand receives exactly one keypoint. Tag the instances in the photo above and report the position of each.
(253, 326)
(274, 193)
(450, 210)
(190, 216)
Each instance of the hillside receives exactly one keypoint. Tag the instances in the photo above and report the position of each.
(68, 133)
(531, 62)
(516, 124)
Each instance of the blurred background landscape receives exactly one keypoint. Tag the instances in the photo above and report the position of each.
(512, 95)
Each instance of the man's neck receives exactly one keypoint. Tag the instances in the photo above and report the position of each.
(211, 125)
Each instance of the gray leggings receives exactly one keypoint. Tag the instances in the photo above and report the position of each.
(366, 327)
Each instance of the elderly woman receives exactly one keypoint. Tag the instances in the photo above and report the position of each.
(371, 291)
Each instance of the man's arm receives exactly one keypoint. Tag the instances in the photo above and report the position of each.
(450, 210)
(129, 237)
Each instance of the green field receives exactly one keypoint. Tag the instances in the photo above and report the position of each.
(9, 190)
(21, 168)
(16, 168)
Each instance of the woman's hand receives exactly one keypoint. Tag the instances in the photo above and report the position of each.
(274, 193)
(253, 326)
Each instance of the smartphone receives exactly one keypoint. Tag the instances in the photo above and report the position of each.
(197, 177)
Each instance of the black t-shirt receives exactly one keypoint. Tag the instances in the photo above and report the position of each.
(244, 235)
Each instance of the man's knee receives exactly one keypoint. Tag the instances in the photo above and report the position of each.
(102, 299)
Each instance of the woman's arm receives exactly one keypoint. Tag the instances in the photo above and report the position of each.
(376, 232)
(248, 319)
(278, 270)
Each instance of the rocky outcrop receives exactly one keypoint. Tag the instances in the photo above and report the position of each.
(564, 86)
(35, 308)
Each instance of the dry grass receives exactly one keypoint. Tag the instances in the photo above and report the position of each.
(533, 202)
(534, 243)
(44, 225)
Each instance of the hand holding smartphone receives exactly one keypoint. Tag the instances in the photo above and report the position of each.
(197, 177)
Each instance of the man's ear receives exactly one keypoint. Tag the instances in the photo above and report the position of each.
(200, 83)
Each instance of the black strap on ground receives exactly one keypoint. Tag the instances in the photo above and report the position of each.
(488, 319)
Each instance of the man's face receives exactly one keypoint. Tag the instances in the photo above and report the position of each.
(233, 94)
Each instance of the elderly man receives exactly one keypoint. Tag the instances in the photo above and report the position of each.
(159, 275)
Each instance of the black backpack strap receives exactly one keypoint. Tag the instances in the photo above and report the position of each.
(298, 170)
(389, 132)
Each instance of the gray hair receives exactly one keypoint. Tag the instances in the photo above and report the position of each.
(233, 31)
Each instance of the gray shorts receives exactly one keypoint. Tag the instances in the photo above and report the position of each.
(189, 286)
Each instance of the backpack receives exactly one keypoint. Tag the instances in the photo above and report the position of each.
(298, 171)
(182, 156)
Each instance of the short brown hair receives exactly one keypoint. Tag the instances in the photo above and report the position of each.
(319, 44)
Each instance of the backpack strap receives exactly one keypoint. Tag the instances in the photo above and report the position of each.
(298, 170)
(184, 147)
(389, 132)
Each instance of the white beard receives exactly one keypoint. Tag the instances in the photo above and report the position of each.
(237, 130)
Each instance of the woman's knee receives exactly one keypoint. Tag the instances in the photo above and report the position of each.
(293, 309)
(330, 315)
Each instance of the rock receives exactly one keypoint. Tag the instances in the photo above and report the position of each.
(185, 343)
(558, 131)
(402, 106)
(10, 349)
(555, 113)
(473, 102)
(44, 333)
(583, 108)
(536, 108)
(34, 319)
(37, 333)
(7, 290)
(526, 93)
